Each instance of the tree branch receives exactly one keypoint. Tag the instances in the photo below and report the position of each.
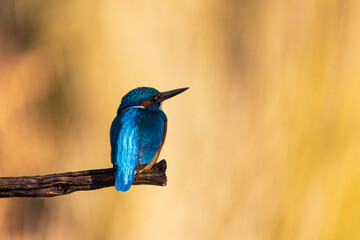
(64, 183)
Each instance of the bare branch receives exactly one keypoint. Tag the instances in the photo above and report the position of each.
(65, 183)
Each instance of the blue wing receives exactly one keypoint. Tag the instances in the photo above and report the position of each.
(151, 136)
(125, 147)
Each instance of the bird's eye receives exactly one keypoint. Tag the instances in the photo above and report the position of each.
(154, 99)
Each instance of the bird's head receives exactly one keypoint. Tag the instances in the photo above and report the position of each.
(147, 98)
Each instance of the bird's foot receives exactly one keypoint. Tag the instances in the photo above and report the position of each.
(139, 167)
(147, 167)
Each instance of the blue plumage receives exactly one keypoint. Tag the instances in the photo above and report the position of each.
(137, 137)
(138, 133)
(151, 132)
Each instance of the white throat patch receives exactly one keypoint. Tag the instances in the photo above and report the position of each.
(133, 107)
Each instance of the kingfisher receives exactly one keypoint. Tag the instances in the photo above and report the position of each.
(138, 133)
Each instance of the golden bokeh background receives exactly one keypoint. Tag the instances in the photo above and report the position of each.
(264, 145)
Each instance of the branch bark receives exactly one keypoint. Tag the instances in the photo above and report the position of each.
(64, 183)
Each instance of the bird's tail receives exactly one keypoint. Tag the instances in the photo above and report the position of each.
(123, 180)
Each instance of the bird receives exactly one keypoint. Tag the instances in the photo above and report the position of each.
(138, 132)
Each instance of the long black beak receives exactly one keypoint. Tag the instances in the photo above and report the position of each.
(169, 94)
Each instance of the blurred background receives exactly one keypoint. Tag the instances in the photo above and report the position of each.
(264, 145)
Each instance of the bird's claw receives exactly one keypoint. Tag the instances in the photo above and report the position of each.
(147, 167)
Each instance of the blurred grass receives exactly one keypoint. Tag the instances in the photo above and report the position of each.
(264, 145)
